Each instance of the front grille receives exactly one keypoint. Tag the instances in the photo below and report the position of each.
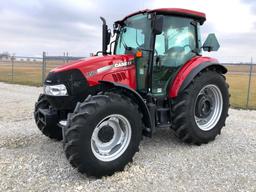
(76, 84)
(74, 80)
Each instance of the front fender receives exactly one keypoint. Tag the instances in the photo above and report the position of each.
(135, 96)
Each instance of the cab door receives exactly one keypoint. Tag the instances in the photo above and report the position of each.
(173, 48)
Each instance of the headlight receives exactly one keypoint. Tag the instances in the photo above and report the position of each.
(55, 90)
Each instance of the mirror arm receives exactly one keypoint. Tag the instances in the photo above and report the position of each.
(196, 51)
(110, 52)
(209, 48)
(98, 52)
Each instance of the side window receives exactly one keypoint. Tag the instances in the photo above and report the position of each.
(183, 38)
(160, 44)
(176, 44)
(129, 37)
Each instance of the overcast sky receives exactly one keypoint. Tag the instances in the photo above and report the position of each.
(29, 27)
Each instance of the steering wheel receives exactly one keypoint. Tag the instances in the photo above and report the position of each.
(189, 46)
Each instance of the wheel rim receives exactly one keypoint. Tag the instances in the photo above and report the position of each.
(111, 137)
(208, 107)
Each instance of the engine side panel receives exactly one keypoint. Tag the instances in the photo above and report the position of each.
(126, 77)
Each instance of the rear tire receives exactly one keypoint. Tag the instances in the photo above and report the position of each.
(200, 111)
(93, 116)
(52, 131)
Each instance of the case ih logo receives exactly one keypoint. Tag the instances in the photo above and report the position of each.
(123, 64)
(108, 67)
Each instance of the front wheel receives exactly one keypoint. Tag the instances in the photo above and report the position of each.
(103, 134)
(200, 111)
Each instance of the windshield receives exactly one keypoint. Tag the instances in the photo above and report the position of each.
(133, 34)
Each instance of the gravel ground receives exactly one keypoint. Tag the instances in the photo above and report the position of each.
(31, 162)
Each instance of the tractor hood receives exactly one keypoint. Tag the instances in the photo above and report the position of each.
(94, 68)
(94, 63)
(73, 82)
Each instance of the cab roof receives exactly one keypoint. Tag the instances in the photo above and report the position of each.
(199, 16)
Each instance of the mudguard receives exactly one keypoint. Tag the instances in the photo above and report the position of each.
(188, 72)
(147, 120)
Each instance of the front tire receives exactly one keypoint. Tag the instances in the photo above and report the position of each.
(103, 134)
(199, 112)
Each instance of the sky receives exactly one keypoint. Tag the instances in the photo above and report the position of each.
(29, 27)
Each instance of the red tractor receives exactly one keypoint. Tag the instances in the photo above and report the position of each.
(153, 75)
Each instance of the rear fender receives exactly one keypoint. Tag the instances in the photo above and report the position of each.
(190, 70)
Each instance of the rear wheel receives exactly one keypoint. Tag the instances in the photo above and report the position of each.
(103, 134)
(200, 111)
(50, 129)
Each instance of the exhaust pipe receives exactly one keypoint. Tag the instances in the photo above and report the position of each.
(104, 36)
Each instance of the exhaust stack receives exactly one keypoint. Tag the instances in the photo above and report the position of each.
(105, 35)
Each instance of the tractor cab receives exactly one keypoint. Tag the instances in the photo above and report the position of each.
(162, 41)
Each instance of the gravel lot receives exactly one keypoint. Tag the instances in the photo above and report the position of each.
(31, 162)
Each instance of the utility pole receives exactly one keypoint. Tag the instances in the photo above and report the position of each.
(249, 84)
(12, 60)
(64, 57)
(43, 67)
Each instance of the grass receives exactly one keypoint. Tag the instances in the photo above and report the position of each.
(242, 68)
(239, 89)
(30, 73)
(25, 73)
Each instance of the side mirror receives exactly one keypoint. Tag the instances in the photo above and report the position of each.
(211, 43)
(158, 25)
